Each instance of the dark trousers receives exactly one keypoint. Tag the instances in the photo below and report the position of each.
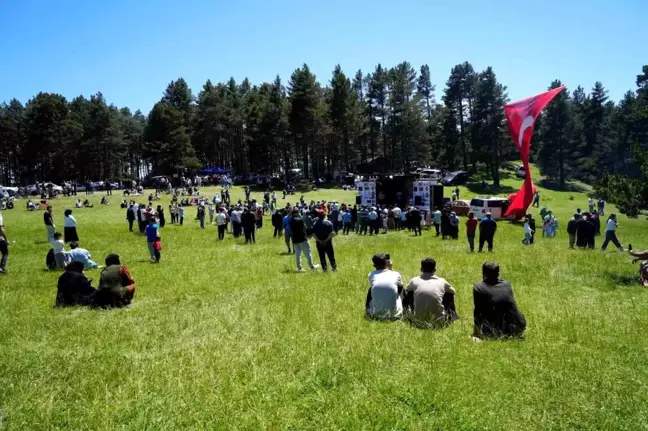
(471, 241)
(181, 220)
(326, 250)
(397, 223)
(277, 232)
(417, 229)
(221, 231)
(202, 222)
(249, 235)
(363, 228)
(142, 226)
(486, 239)
(437, 228)
(130, 225)
(347, 228)
(4, 249)
(374, 226)
(236, 229)
(610, 236)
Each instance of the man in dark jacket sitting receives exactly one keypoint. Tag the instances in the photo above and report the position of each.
(496, 313)
(73, 287)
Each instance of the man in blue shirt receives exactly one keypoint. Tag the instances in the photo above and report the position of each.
(286, 227)
(487, 229)
(152, 236)
(323, 230)
(82, 255)
(347, 220)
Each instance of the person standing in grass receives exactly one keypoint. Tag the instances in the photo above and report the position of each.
(201, 215)
(221, 223)
(487, 229)
(4, 246)
(211, 214)
(471, 228)
(384, 297)
(610, 233)
(347, 221)
(437, 221)
(48, 218)
(235, 216)
(286, 229)
(496, 312)
(143, 218)
(248, 221)
(181, 214)
(585, 232)
(323, 230)
(571, 229)
(130, 215)
(601, 207)
(430, 299)
(69, 227)
(299, 236)
(160, 216)
(277, 224)
(58, 248)
(590, 204)
(528, 232)
(172, 213)
(152, 237)
(536, 200)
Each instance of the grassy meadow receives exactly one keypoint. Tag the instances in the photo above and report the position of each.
(223, 335)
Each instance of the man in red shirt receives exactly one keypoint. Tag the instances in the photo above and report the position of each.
(471, 228)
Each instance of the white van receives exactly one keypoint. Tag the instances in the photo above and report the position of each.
(496, 206)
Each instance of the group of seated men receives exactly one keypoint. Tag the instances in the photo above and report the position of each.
(428, 300)
(116, 286)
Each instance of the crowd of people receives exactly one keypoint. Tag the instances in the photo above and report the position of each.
(426, 301)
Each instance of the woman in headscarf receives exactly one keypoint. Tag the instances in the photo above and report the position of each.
(116, 286)
(454, 225)
(73, 287)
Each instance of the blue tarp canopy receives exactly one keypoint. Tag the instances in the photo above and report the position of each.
(214, 171)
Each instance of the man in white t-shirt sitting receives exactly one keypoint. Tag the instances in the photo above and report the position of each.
(385, 289)
(430, 298)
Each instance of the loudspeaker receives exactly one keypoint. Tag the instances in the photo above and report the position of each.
(358, 200)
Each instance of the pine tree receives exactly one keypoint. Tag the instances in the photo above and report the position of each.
(553, 138)
(305, 97)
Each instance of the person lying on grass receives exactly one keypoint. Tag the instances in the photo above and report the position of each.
(429, 300)
(116, 286)
(496, 312)
(82, 255)
(73, 287)
(384, 300)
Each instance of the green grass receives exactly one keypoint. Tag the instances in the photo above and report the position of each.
(227, 336)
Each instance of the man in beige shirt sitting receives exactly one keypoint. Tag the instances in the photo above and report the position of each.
(430, 299)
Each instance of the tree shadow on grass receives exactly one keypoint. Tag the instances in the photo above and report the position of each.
(623, 280)
(555, 186)
(489, 190)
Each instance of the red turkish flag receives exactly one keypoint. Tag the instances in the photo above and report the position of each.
(521, 117)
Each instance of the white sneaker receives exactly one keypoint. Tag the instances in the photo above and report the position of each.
(300, 270)
(314, 268)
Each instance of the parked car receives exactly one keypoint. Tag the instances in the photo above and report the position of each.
(34, 189)
(433, 174)
(456, 178)
(520, 172)
(496, 206)
(262, 180)
(461, 208)
(151, 182)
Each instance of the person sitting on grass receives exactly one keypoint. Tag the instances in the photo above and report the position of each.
(430, 299)
(82, 255)
(642, 258)
(104, 201)
(116, 286)
(87, 204)
(73, 287)
(58, 247)
(496, 313)
(384, 300)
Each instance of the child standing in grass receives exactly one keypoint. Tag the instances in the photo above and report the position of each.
(528, 232)
(181, 214)
(58, 246)
(172, 213)
(153, 240)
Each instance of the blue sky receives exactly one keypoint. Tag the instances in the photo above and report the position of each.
(131, 49)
